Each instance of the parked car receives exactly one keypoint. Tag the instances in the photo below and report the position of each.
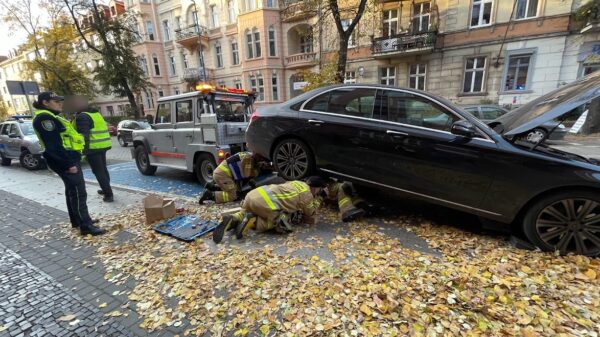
(19, 142)
(417, 144)
(125, 130)
(194, 131)
(112, 130)
(488, 113)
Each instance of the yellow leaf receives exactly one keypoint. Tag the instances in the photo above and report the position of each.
(241, 332)
(66, 318)
(418, 327)
(591, 274)
(528, 332)
(366, 310)
(103, 305)
(115, 313)
(264, 329)
(482, 325)
(3, 327)
(404, 328)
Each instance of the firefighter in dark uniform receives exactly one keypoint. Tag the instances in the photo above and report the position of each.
(90, 123)
(62, 151)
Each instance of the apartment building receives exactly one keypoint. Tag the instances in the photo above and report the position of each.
(12, 69)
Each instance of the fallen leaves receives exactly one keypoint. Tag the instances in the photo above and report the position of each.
(66, 318)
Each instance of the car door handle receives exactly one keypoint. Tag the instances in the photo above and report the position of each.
(396, 133)
(169, 136)
(189, 136)
(315, 122)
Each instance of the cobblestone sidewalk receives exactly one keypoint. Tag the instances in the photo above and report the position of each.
(34, 304)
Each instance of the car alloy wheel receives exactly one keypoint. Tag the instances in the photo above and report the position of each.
(205, 165)
(30, 161)
(292, 159)
(121, 141)
(571, 225)
(536, 136)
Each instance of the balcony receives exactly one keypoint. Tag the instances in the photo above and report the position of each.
(404, 44)
(193, 75)
(295, 11)
(301, 60)
(188, 36)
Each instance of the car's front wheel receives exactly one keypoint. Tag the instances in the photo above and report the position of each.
(30, 161)
(122, 141)
(565, 222)
(205, 165)
(142, 161)
(293, 159)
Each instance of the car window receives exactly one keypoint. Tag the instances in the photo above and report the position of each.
(13, 129)
(473, 111)
(4, 129)
(143, 125)
(27, 129)
(163, 115)
(406, 108)
(183, 111)
(358, 102)
(491, 112)
(230, 111)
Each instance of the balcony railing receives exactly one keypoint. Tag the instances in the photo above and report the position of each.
(189, 31)
(296, 10)
(404, 43)
(302, 59)
(193, 75)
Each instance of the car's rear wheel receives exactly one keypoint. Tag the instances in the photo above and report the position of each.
(30, 161)
(5, 161)
(122, 141)
(205, 165)
(567, 222)
(142, 161)
(293, 159)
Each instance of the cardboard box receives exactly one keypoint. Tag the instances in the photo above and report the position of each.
(157, 208)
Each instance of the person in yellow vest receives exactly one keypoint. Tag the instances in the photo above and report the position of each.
(230, 175)
(62, 146)
(351, 206)
(272, 206)
(90, 123)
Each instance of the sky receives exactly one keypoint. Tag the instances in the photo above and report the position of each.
(12, 38)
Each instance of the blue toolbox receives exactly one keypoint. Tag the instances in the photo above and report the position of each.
(186, 227)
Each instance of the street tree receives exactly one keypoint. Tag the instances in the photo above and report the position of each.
(121, 73)
(49, 57)
(3, 111)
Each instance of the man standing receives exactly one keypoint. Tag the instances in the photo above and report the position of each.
(62, 150)
(90, 123)
(272, 205)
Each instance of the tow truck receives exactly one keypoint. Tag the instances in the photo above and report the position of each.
(195, 131)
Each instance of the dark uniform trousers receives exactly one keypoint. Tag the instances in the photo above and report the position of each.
(76, 197)
(97, 161)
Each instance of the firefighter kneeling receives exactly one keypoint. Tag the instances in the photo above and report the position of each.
(273, 206)
(229, 176)
(351, 206)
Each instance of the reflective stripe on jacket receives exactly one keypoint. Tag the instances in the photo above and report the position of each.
(99, 136)
(239, 166)
(71, 139)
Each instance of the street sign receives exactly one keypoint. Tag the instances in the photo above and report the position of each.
(22, 88)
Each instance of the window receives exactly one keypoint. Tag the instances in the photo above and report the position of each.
(517, 72)
(249, 49)
(350, 77)
(256, 42)
(406, 108)
(474, 74)
(149, 101)
(183, 111)
(195, 20)
(214, 14)
(219, 56)
(358, 102)
(237, 84)
(231, 10)
(251, 5)
(416, 76)
(156, 65)
(144, 65)
(481, 13)
(230, 111)
(253, 43)
(272, 48)
(110, 110)
(178, 22)
(257, 84)
(526, 9)
(306, 43)
(274, 88)
(352, 39)
(388, 76)
(172, 68)
(177, 91)
(4, 129)
(161, 93)
(420, 18)
(491, 113)
(150, 30)
(163, 115)
(390, 22)
(235, 53)
(270, 3)
(166, 30)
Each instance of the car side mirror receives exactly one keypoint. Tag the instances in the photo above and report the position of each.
(463, 128)
(13, 135)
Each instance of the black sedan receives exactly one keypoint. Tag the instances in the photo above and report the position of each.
(421, 145)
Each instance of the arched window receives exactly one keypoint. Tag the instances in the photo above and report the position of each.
(272, 44)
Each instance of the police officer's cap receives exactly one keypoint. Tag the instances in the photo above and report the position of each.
(315, 181)
(49, 96)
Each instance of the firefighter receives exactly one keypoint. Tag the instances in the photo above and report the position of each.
(351, 206)
(230, 175)
(272, 206)
(62, 146)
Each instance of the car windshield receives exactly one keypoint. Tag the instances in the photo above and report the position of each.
(230, 111)
(144, 124)
(27, 129)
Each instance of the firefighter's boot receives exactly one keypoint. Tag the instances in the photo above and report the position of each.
(245, 226)
(282, 224)
(206, 195)
(227, 222)
(352, 214)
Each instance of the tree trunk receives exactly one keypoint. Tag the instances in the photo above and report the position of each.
(592, 123)
(342, 59)
(132, 101)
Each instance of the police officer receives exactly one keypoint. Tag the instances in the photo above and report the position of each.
(62, 151)
(272, 206)
(90, 123)
(231, 174)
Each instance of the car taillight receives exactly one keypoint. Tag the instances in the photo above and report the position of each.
(254, 116)
(222, 155)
